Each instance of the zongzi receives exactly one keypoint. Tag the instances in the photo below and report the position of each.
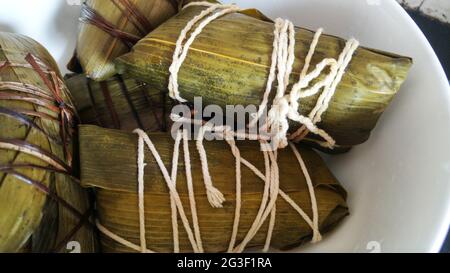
(39, 198)
(119, 103)
(108, 28)
(115, 180)
(230, 60)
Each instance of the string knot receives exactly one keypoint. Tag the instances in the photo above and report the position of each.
(215, 197)
(277, 122)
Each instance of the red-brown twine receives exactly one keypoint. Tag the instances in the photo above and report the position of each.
(90, 16)
(130, 11)
(110, 104)
(133, 15)
(113, 114)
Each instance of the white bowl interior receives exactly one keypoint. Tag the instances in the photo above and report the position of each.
(398, 182)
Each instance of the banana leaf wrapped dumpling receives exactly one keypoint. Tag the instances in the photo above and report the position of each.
(115, 180)
(39, 198)
(229, 62)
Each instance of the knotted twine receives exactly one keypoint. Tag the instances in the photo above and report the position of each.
(285, 107)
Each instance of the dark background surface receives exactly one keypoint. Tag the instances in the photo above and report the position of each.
(439, 36)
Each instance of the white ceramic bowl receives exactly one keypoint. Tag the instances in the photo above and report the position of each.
(399, 181)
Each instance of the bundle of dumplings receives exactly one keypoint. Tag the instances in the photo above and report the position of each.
(103, 152)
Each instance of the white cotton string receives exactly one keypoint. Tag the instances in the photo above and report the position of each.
(274, 195)
(312, 49)
(237, 212)
(282, 194)
(170, 185)
(272, 185)
(141, 166)
(218, 130)
(337, 72)
(277, 121)
(173, 207)
(181, 50)
(274, 190)
(265, 197)
(272, 218)
(286, 107)
(190, 186)
(229, 136)
(268, 202)
(343, 61)
(271, 77)
(119, 239)
(201, 4)
(215, 197)
(316, 234)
